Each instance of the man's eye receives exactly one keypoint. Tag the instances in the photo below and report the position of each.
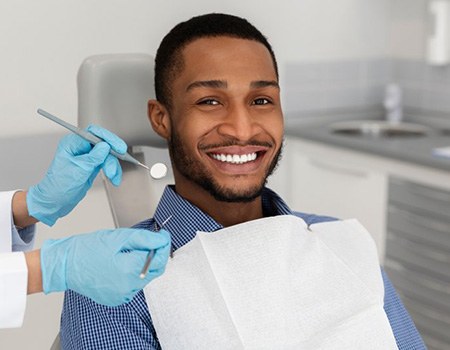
(209, 102)
(261, 101)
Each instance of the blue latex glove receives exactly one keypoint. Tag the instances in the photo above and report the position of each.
(104, 265)
(72, 172)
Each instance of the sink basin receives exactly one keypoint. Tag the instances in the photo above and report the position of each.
(378, 128)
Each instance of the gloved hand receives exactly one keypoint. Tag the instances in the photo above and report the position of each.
(104, 265)
(72, 172)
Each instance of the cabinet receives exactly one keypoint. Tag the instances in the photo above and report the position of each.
(331, 182)
(418, 256)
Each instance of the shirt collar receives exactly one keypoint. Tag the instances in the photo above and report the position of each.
(186, 219)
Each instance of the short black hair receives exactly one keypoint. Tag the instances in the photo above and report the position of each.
(169, 60)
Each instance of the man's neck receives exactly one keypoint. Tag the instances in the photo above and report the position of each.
(225, 213)
(229, 214)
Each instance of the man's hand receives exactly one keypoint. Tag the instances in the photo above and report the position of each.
(72, 172)
(104, 265)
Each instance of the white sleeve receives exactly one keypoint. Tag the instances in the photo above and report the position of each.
(13, 289)
(13, 270)
(6, 221)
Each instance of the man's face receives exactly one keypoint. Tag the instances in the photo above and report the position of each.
(226, 119)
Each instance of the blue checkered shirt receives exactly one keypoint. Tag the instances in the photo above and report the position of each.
(88, 325)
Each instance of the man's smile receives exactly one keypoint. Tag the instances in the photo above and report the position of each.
(235, 158)
(238, 159)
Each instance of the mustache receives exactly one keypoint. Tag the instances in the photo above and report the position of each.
(236, 143)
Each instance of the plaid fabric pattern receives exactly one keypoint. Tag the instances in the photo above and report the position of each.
(87, 325)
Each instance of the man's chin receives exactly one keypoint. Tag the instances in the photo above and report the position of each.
(234, 195)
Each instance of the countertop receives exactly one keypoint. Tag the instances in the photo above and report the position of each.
(413, 149)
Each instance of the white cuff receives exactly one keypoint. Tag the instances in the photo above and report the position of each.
(5, 220)
(13, 289)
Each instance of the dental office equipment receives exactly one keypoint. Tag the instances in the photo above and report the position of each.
(151, 254)
(158, 170)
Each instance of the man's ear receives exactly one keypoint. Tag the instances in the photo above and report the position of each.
(159, 118)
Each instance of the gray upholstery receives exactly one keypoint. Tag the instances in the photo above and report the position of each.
(113, 91)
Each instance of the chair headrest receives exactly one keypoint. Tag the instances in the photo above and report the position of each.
(113, 91)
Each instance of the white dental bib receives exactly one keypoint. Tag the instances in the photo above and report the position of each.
(273, 284)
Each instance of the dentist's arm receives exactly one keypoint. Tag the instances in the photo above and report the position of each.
(71, 174)
(103, 265)
(20, 210)
(69, 177)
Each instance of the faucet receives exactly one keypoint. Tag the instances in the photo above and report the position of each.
(393, 103)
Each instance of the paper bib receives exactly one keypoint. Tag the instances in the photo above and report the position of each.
(273, 284)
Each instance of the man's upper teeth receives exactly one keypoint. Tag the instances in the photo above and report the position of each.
(235, 158)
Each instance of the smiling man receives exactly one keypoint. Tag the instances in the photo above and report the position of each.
(218, 106)
(224, 125)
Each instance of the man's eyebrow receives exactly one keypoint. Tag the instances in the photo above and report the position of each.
(264, 83)
(221, 84)
(215, 84)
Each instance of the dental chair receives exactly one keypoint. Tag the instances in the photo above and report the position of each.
(113, 91)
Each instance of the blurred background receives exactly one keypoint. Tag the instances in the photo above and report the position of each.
(365, 88)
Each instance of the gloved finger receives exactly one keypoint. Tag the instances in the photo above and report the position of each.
(95, 157)
(130, 264)
(152, 274)
(156, 268)
(112, 170)
(147, 240)
(93, 175)
(160, 258)
(74, 145)
(116, 143)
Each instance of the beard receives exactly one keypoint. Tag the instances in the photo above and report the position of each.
(192, 170)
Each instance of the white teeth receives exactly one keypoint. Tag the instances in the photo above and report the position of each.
(235, 158)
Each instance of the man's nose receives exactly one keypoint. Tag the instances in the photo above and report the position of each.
(240, 124)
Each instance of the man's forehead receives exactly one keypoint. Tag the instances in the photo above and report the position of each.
(206, 43)
(209, 57)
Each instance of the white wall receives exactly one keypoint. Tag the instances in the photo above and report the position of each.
(43, 42)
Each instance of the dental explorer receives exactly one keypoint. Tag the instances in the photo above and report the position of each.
(158, 170)
(151, 253)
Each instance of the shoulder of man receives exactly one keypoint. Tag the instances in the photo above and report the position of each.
(311, 219)
(147, 224)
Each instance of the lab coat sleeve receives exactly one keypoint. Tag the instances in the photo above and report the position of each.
(6, 221)
(13, 289)
(13, 268)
